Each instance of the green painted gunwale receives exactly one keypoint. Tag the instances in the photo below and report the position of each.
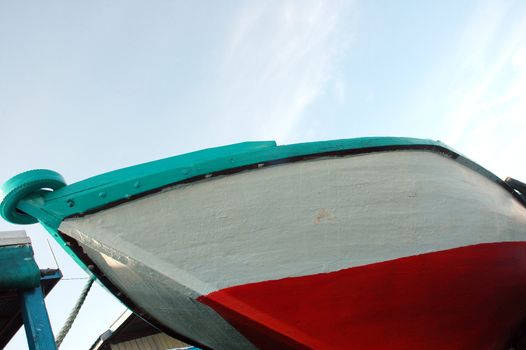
(52, 207)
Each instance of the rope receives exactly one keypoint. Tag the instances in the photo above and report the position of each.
(74, 312)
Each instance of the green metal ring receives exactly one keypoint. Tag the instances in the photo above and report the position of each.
(22, 185)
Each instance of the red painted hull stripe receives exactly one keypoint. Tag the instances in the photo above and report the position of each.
(464, 298)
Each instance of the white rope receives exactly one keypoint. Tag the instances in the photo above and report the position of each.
(74, 312)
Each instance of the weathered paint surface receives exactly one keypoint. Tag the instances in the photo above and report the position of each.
(164, 298)
(19, 269)
(296, 219)
(464, 298)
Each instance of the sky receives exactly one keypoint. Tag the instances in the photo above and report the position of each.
(89, 87)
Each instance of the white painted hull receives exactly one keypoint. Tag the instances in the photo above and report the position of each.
(296, 219)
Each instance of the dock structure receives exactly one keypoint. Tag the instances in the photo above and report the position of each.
(23, 287)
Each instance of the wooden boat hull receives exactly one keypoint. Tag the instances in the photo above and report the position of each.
(371, 243)
(386, 250)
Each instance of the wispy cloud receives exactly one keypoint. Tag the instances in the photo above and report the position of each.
(484, 88)
(278, 60)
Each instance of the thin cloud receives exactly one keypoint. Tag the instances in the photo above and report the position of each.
(278, 60)
(483, 89)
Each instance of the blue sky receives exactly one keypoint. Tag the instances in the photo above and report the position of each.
(88, 87)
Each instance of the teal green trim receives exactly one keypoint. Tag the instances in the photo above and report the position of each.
(19, 269)
(22, 185)
(50, 208)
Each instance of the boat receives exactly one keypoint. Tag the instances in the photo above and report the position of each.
(368, 243)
